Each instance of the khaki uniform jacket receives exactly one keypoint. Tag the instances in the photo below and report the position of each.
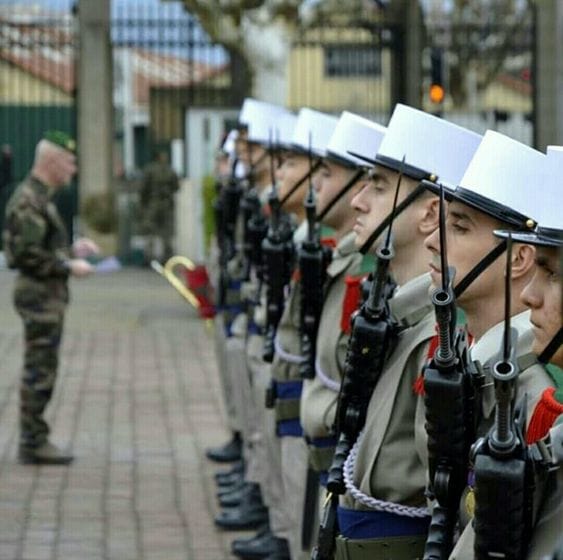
(318, 402)
(387, 466)
(548, 530)
(532, 382)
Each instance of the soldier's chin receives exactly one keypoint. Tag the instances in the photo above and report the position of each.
(359, 240)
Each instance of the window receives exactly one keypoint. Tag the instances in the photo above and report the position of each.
(348, 61)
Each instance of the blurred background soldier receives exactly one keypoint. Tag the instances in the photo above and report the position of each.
(36, 243)
(159, 184)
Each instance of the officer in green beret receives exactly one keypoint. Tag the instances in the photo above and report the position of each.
(36, 244)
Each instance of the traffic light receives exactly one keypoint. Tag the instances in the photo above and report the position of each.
(437, 91)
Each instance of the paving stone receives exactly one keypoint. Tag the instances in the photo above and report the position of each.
(137, 400)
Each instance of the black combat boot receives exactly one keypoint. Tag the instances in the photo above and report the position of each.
(228, 452)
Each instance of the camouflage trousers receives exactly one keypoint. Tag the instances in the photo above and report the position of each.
(43, 327)
(159, 229)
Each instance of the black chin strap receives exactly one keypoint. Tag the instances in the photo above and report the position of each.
(315, 166)
(552, 347)
(342, 192)
(481, 266)
(385, 223)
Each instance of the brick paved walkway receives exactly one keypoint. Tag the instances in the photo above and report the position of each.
(137, 401)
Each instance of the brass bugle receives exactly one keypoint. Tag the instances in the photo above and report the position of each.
(168, 271)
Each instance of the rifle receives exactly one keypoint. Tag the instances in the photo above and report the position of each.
(278, 255)
(373, 337)
(255, 225)
(249, 205)
(450, 384)
(226, 210)
(313, 260)
(504, 471)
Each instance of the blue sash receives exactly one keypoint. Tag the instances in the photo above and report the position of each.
(357, 524)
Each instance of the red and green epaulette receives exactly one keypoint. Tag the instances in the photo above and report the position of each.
(549, 407)
(353, 294)
(327, 237)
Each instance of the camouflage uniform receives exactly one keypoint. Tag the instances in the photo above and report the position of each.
(36, 243)
(157, 203)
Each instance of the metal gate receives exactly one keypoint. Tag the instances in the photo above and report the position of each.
(164, 64)
(37, 88)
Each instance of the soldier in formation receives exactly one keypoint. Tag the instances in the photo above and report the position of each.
(400, 298)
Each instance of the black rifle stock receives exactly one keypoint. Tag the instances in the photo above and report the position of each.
(249, 206)
(450, 400)
(504, 472)
(278, 255)
(226, 211)
(313, 260)
(372, 339)
(255, 223)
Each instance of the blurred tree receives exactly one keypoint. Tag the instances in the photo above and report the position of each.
(261, 32)
(480, 37)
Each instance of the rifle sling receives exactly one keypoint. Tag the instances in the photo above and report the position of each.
(552, 347)
(385, 223)
(313, 168)
(342, 192)
(481, 266)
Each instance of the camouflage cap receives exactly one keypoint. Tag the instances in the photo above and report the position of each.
(61, 139)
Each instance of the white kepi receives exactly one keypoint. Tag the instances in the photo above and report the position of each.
(314, 125)
(549, 194)
(266, 125)
(502, 180)
(433, 148)
(253, 110)
(354, 136)
(285, 127)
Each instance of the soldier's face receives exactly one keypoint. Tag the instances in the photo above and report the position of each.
(543, 296)
(241, 147)
(374, 202)
(469, 237)
(293, 168)
(65, 170)
(329, 182)
(258, 157)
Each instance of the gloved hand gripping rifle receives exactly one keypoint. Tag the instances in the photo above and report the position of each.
(504, 471)
(450, 401)
(373, 338)
(313, 259)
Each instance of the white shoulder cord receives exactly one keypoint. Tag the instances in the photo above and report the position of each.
(286, 356)
(370, 501)
(325, 379)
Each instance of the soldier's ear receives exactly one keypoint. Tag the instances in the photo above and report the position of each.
(430, 215)
(523, 260)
